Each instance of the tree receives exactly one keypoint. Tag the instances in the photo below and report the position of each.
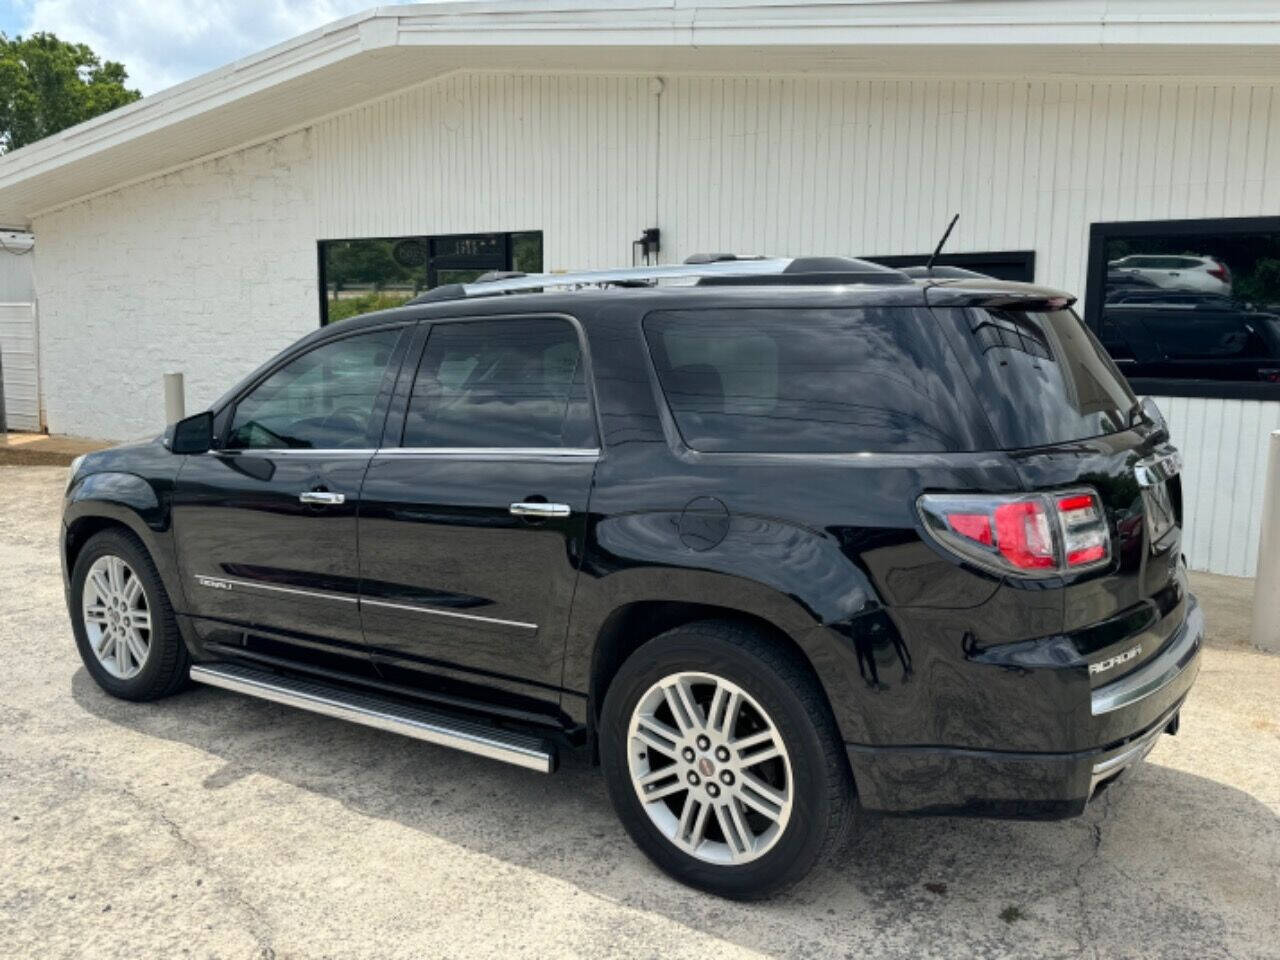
(47, 85)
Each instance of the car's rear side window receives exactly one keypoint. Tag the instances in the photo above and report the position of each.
(797, 380)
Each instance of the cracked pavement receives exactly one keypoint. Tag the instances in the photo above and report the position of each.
(213, 825)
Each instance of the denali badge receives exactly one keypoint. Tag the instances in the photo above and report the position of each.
(211, 582)
(1102, 666)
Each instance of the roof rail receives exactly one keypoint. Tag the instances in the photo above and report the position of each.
(743, 271)
(628, 275)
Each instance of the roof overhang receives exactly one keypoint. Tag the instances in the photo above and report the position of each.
(385, 49)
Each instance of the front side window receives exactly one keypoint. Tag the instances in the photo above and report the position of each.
(500, 383)
(872, 380)
(323, 399)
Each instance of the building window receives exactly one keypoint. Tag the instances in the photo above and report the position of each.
(358, 276)
(1019, 265)
(1189, 307)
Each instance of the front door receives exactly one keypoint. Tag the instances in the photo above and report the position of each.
(473, 513)
(265, 526)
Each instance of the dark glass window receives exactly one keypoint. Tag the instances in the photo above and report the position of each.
(818, 381)
(359, 276)
(1041, 377)
(1189, 306)
(322, 399)
(500, 383)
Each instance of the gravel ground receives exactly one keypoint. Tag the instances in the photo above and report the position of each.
(213, 825)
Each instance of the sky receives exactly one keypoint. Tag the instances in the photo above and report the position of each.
(163, 42)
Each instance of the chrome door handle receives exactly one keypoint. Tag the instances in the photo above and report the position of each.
(322, 497)
(530, 508)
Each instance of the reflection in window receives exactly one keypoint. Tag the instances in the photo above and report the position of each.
(500, 383)
(1199, 300)
(324, 399)
(361, 276)
(811, 381)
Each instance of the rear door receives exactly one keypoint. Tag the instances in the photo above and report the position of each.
(266, 525)
(474, 510)
(1062, 410)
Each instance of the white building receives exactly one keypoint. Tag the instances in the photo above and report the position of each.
(185, 231)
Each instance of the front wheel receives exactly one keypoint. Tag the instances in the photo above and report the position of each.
(124, 624)
(723, 761)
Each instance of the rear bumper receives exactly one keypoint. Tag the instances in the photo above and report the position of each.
(1133, 711)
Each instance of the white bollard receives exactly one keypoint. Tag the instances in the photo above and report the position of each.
(175, 403)
(1266, 586)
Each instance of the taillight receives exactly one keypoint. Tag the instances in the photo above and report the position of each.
(1033, 535)
(1220, 271)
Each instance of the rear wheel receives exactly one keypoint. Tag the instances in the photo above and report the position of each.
(123, 622)
(723, 761)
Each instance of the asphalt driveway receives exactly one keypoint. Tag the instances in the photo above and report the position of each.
(213, 825)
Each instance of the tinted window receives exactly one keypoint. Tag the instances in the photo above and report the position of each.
(818, 381)
(1189, 300)
(1041, 377)
(500, 383)
(322, 399)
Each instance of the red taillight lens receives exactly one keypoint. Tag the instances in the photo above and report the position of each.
(1023, 535)
(1220, 271)
(1031, 535)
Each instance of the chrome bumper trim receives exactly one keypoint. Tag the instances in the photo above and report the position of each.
(1133, 753)
(1157, 673)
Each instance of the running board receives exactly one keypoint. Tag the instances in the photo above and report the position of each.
(371, 710)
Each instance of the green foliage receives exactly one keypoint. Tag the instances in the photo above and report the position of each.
(354, 306)
(47, 85)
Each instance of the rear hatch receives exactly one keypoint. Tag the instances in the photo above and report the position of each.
(1067, 418)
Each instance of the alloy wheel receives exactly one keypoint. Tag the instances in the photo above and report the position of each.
(710, 768)
(117, 617)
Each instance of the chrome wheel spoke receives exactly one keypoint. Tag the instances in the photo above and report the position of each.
(140, 619)
(137, 649)
(657, 735)
(683, 707)
(693, 821)
(132, 590)
(761, 797)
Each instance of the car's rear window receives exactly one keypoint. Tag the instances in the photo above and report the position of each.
(866, 380)
(1041, 376)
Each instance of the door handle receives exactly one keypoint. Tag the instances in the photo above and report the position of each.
(530, 508)
(322, 497)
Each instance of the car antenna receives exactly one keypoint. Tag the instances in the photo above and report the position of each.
(928, 267)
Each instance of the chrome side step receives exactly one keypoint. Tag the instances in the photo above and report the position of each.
(371, 710)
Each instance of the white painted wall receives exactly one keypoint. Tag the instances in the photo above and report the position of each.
(211, 269)
(207, 271)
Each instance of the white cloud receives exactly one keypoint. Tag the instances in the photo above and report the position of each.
(163, 42)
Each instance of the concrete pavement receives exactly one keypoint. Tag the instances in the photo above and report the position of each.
(213, 825)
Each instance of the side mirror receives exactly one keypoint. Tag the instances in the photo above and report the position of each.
(192, 435)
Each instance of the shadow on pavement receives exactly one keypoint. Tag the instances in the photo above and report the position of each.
(1164, 863)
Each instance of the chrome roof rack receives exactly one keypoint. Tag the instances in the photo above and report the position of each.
(631, 275)
(734, 271)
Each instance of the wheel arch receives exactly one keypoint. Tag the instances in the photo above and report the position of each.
(632, 625)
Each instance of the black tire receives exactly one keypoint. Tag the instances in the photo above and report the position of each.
(165, 670)
(782, 683)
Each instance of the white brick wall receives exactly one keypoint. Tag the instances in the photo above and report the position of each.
(208, 271)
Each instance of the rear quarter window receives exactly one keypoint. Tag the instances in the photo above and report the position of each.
(855, 380)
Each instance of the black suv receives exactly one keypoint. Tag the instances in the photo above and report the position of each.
(782, 534)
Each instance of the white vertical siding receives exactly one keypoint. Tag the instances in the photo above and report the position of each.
(20, 371)
(572, 156)
(1224, 443)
